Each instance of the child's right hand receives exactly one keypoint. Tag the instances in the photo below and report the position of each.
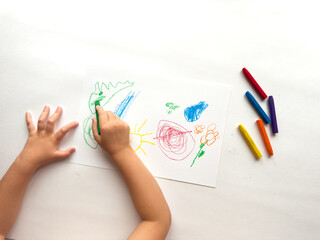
(114, 137)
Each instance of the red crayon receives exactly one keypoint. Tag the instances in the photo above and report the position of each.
(254, 84)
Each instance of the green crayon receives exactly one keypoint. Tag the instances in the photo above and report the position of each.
(97, 103)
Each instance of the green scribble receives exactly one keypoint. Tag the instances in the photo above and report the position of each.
(171, 107)
(199, 154)
(102, 93)
(87, 133)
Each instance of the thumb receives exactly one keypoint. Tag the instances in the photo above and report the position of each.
(60, 155)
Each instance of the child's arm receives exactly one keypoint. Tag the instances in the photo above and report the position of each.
(40, 149)
(144, 190)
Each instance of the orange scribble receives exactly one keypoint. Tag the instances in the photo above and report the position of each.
(198, 128)
(211, 135)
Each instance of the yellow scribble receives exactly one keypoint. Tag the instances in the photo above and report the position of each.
(141, 137)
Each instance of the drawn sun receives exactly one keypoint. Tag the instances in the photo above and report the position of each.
(138, 138)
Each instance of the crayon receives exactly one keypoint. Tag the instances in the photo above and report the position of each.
(257, 107)
(97, 103)
(250, 142)
(264, 136)
(273, 116)
(254, 84)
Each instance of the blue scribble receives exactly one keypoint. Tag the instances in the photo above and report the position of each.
(122, 108)
(193, 112)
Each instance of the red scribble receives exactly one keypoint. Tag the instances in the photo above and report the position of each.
(175, 141)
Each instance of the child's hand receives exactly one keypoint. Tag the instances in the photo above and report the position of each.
(42, 145)
(114, 132)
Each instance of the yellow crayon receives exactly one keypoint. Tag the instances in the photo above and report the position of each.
(250, 142)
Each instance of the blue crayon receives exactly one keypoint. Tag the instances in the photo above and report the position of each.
(258, 108)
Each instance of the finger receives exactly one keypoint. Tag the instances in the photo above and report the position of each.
(64, 130)
(110, 115)
(116, 117)
(100, 110)
(102, 114)
(30, 125)
(42, 119)
(95, 130)
(53, 119)
(60, 155)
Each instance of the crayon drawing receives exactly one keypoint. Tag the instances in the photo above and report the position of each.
(122, 108)
(104, 93)
(137, 138)
(200, 153)
(194, 112)
(176, 127)
(171, 107)
(198, 128)
(208, 139)
(211, 135)
(174, 141)
(87, 133)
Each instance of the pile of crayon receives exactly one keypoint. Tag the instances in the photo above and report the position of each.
(264, 117)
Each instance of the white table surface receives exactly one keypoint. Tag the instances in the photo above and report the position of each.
(45, 49)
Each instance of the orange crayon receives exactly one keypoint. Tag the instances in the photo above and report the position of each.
(264, 136)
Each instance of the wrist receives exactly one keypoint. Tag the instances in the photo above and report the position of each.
(24, 166)
(122, 154)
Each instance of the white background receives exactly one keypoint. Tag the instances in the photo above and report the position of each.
(45, 49)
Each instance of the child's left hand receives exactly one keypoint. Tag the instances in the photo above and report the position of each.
(42, 145)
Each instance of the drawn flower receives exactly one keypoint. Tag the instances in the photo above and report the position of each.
(211, 135)
(198, 128)
(209, 138)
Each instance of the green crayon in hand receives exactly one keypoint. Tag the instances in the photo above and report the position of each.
(97, 103)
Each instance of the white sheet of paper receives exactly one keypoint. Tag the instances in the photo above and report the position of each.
(176, 126)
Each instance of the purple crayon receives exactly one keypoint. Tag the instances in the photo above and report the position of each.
(273, 117)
